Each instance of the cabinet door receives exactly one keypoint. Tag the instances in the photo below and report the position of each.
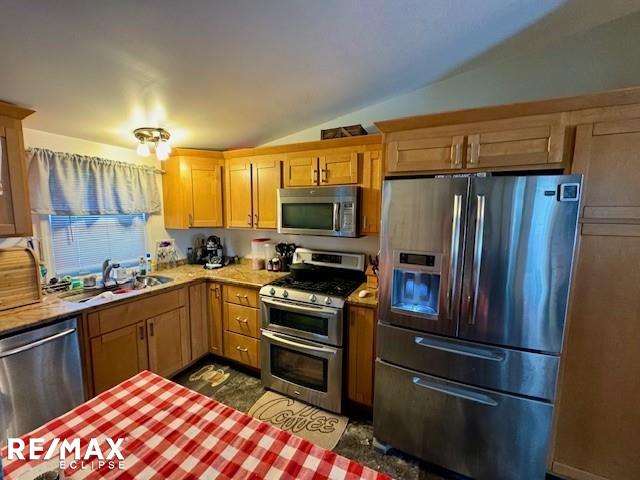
(168, 342)
(371, 187)
(198, 320)
(118, 355)
(215, 319)
(206, 186)
(597, 411)
(415, 153)
(608, 155)
(533, 145)
(15, 212)
(338, 168)
(361, 345)
(238, 193)
(301, 170)
(267, 178)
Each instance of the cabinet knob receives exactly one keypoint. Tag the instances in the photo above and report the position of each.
(242, 349)
(324, 175)
(151, 329)
(191, 219)
(248, 219)
(255, 219)
(242, 320)
(315, 176)
(141, 332)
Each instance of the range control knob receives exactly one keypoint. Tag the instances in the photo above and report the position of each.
(312, 299)
(272, 291)
(285, 294)
(327, 301)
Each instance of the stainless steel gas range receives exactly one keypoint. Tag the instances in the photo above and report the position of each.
(303, 326)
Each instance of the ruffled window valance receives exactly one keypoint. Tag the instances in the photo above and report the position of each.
(70, 184)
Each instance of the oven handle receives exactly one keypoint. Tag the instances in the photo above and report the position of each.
(276, 338)
(298, 307)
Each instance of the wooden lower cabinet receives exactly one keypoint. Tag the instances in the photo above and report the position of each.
(361, 354)
(242, 349)
(598, 419)
(168, 341)
(241, 324)
(118, 355)
(151, 332)
(198, 321)
(215, 319)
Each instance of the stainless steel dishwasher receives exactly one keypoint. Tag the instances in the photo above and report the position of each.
(40, 377)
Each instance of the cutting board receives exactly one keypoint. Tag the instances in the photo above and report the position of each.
(19, 278)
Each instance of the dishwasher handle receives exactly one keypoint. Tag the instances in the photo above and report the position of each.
(37, 343)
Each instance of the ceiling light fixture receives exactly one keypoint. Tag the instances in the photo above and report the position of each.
(156, 136)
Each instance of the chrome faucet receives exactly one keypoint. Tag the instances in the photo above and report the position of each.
(107, 267)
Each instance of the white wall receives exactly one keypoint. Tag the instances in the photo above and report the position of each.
(599, 59)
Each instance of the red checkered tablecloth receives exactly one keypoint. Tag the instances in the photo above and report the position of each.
(171, 432)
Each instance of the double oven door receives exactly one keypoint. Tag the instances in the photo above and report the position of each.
(301, 351)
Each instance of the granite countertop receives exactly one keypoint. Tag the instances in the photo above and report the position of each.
(371, 300)
(53, 307)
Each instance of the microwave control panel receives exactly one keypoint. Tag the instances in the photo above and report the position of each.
(348, 217)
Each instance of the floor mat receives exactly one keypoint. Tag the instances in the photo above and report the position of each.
(211, 375)
(318, 426)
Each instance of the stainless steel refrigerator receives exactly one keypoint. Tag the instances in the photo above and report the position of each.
(473, 299)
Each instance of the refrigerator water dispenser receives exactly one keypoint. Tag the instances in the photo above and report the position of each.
(416, 283)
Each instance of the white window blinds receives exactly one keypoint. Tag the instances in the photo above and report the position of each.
(81, 243)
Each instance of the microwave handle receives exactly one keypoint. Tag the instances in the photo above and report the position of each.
(336, 216)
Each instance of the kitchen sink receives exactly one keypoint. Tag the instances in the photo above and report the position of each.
(137, 284)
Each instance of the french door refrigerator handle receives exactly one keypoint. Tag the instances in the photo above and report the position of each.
(455, 249)
(456, 391)
(477, 255)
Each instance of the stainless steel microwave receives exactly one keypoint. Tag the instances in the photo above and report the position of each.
(328, 211)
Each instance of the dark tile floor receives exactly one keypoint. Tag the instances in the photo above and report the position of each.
(242, 389)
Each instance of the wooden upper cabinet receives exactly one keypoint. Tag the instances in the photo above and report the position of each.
(15, 211)
(514, 147)
(192, 189)
(339, 168)
(168, 336)
(608, 155)
(267, 178)
(118, 355)
(301, 170)
(206, 185)
(238, 189)
(371, 192)
(418, 151)
(597, 409)
(539, 141)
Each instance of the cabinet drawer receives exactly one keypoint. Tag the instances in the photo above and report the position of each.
(247, 297)
(242, 349)
(408, 413)
(241, 319)
(129, 313)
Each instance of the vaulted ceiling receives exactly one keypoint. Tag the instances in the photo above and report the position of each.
(230, 73)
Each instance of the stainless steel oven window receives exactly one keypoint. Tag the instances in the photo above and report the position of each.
(299, 321)
(315, 216)
(300, 368)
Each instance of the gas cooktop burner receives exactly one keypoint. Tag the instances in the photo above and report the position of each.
(336, 287)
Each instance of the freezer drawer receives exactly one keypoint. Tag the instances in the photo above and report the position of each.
(472, 431)
(496, 368)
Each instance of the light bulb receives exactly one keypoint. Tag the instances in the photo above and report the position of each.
(161, 153)
(143, 149)
(163, 149)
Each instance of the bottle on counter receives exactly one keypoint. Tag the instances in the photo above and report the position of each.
(148, 262)
(142, 266)
(270, 266)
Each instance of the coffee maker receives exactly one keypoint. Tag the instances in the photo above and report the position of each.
(214, 253)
